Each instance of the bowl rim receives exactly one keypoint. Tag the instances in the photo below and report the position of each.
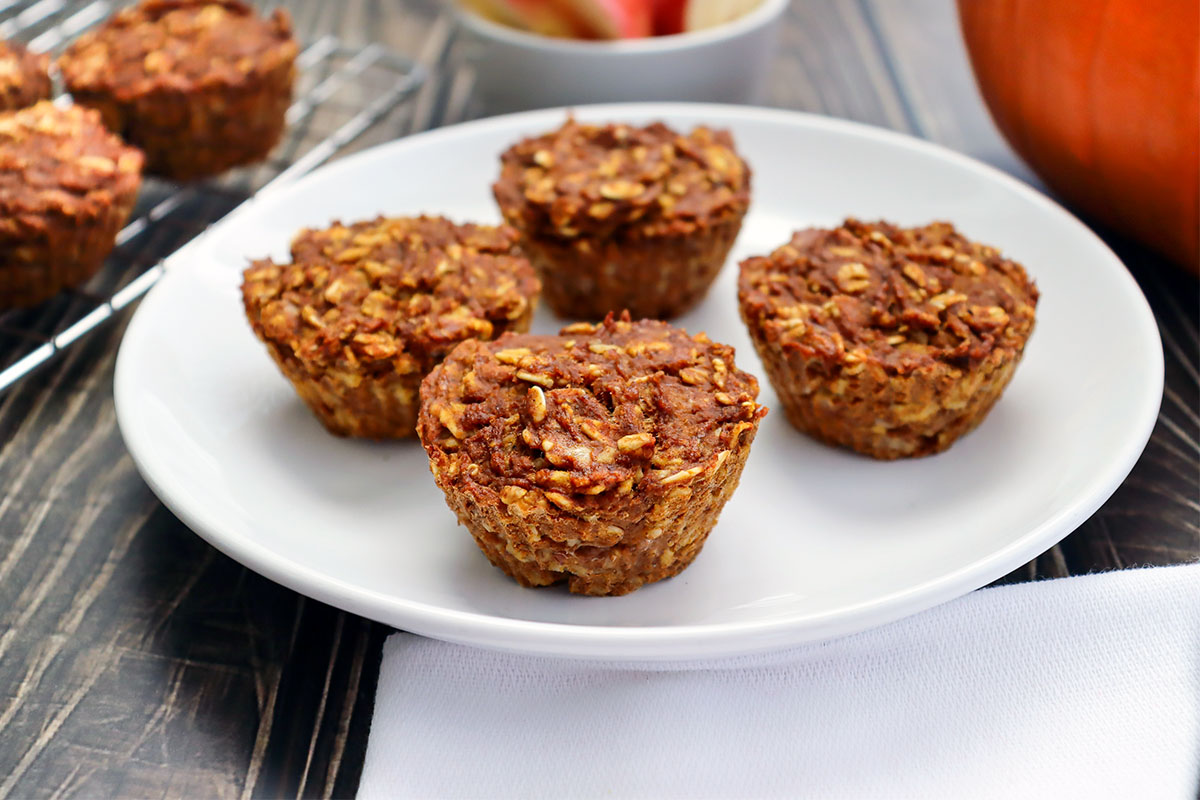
(764, 13)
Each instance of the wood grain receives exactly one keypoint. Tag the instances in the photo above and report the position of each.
(135, 660)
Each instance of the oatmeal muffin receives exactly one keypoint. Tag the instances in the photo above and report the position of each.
(616, 217)
(364, 311)
(199, 85)
(891, 341)
(24, 78)
(67, 186)
(601, 456)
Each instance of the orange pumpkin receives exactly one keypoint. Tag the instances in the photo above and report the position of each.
(1102, 99)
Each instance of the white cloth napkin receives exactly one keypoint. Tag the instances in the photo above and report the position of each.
(1085, 687)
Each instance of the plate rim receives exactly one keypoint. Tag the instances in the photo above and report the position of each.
(657, 642)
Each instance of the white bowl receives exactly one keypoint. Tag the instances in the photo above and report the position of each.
(516, 70)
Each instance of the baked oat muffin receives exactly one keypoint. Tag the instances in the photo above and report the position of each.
(24, 78)
(67, 186)
(601, 456)
(364, 311)
(616, 217)
(891, 341)
(199, 85)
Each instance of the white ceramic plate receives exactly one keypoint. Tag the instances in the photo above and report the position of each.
(816, 542)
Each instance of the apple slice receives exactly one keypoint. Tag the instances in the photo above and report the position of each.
(613, 19)
(701, 14)
(538, 16)
(668, 16)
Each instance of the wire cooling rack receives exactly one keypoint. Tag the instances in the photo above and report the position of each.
(345, 98)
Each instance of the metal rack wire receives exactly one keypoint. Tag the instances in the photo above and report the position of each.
(344, 98)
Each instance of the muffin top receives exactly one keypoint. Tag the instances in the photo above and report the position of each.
(23, 76)
(903, 298)
(588, 417)
(603, 180)
(390, 293)
(177, 45)
(61, 161)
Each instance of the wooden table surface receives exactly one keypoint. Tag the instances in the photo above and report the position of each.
(135, 660)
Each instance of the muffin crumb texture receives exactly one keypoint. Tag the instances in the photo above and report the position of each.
(621, 217)
(24, 76)
(362, 312)
(67, 186)
(891, 341)
(601, 456)
(199, 85)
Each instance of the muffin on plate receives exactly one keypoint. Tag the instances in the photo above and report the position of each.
(890, 341)
(199, 85)
(601, 456)
(24, 78)
(617, 217)
(67, 186)
(364, 311)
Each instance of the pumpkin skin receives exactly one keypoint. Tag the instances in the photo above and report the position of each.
(1102, 99)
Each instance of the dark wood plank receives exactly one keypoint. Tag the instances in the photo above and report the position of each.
(829, 62)
(135, 660)
(927, 61)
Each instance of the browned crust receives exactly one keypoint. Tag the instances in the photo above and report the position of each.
(885, 416)
(364, 311)
(656, 278)
(67, 186)
(602, 456)
(619, 217)
(525, 539)
(24, 76)
(199, 86)
(893, 342)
